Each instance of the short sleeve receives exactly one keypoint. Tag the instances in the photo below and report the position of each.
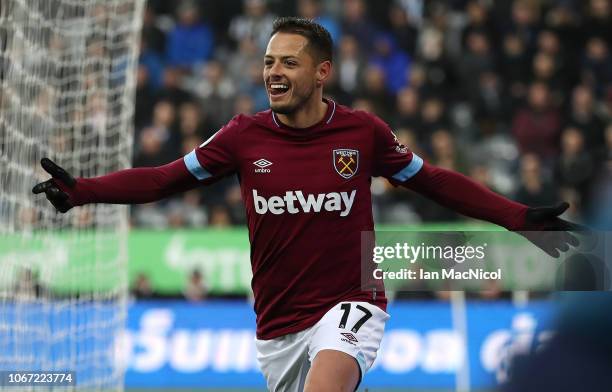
(216, 157)
(392, 160)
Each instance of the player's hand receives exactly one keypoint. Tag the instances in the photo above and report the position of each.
(58, 187)
(546, 230)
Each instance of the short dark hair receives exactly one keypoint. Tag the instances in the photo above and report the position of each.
(318, 37)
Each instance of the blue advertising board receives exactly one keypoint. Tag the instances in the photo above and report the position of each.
(177, 344)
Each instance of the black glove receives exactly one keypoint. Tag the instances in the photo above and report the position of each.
(52, 188)
(546, 230)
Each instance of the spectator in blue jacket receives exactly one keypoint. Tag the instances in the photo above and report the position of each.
(190, 43)
(153, 64)
(394, 62)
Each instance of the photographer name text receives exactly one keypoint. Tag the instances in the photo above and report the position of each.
(446, 274)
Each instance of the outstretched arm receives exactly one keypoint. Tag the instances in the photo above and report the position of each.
(464, 195)
(540, 225)
(401, 166)
(212, 160)
(129, 186)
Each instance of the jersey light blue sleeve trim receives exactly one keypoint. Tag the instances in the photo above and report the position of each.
(194, 167)
(409, 171)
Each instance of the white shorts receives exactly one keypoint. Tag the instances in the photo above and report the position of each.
(355, 328)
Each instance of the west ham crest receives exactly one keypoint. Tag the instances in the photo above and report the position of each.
(346, 162)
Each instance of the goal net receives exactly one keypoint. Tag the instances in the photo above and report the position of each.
(67, 79)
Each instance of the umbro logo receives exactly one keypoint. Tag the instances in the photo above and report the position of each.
(349, 338)
(262, 165)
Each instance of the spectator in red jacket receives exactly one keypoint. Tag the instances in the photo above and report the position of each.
(537, 126)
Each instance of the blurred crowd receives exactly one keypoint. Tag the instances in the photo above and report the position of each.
(195, 289)
(515, 94)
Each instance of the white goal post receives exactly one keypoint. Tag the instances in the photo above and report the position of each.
(67, 85)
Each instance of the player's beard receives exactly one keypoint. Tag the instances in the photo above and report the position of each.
(297, 100)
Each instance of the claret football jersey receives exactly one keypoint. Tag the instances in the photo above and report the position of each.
(307, 198)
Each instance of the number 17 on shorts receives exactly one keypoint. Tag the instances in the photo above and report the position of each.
(355, 328)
